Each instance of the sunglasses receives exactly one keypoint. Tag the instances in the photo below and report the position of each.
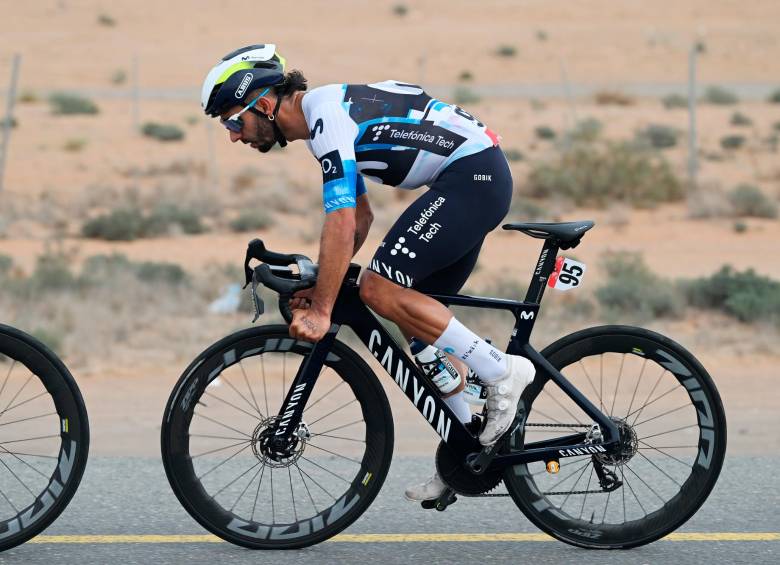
(235, 123)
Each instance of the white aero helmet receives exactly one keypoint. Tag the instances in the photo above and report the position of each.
(231, 80)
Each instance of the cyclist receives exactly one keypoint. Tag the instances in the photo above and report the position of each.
(392, 133)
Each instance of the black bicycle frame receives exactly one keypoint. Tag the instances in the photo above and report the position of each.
(349, 310)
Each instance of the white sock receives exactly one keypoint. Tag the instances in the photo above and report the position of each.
(457, 402)
(481, 357)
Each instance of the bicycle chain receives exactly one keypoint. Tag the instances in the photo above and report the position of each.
(567, 492)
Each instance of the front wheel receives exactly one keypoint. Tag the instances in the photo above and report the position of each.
(673, 440)
(220, 465)
(44, 437)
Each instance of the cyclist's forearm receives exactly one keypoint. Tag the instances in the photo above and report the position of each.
(363, 220)
(336, 244)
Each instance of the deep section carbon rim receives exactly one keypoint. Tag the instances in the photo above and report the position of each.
(44, 437)
(672, 430)
(224, 470)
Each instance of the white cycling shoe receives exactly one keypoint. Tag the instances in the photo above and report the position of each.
(429, 490)
(503, 396)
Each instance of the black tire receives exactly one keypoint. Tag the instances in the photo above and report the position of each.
(44, 437)
(682, 410)
(350, 425)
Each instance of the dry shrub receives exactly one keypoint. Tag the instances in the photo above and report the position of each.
(613, 98)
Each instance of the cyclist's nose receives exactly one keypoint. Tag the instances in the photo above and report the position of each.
(234, 136)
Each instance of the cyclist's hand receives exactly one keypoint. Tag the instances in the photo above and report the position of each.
(309, 325)
(301, 299)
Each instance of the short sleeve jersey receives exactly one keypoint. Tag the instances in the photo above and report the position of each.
(390, 132)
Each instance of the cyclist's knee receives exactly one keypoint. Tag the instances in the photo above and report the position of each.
(376, 292)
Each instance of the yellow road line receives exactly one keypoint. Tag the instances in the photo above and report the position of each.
(398, 538)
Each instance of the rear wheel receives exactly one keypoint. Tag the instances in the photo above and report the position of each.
(673, 440)
(44, 437)
(222, 468)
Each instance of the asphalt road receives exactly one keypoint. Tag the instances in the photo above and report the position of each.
(131, 497)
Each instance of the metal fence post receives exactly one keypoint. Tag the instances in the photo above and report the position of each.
(693, 163)
(9, 115)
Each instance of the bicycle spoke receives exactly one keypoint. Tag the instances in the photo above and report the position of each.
(333, 411)
(215, 397)
(651, 489)
(671, 390)
(326, 470)
(316, 510)
(225, 380)
(7, 376)
(221, 424)
(625, 481)
(284, 371)
(225, 461)
(667, 454)
(28, 419)
(344, 426)
(566, 478)
(574, 486)
(339, 437)
(606, 505)
(686, 405)
(587, 488)
(28, 454)
(246, 488)
(334, 453)
(219, 437)
(544, 390)
(257, 493)
(265, 393)
(614, 397)
(314, 481)
(23, 402)
(663, 372)
(292, 495)
(323, 396)
(18, 392)
(249, 386)
(28, 439)
(661, 470)
(8, 500)
(218, 449)
(636, 388)
(23, 461)
(670, 431)
(273, 506)
(236, 479)
(590, 381)
(17, 478)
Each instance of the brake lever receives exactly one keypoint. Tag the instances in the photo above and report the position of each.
(257, 301)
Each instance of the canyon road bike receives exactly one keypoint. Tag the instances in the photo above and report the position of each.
(44, 437)
(272, 442)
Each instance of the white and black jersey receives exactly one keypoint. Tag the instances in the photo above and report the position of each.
(389, 132)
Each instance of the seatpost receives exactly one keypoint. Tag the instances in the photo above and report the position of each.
(544, 267)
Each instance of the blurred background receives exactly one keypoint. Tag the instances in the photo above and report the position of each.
(125, 213)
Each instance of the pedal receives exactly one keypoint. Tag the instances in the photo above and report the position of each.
(445, 499)
(478, 463)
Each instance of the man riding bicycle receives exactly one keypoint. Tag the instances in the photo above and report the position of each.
(392, 133)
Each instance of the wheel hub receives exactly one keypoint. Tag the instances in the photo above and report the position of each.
(274, 451)
(628, 446)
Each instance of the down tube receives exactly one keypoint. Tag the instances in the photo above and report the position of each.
(419, 389)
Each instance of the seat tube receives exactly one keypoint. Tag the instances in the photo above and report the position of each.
(544, 267)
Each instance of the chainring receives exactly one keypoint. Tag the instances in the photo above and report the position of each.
(460, 479)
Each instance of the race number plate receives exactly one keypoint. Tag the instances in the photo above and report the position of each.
(567, 275)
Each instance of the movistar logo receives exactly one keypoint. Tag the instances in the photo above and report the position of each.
(241, 90)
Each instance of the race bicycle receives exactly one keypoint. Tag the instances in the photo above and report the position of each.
(44, 437)
(270, 442)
